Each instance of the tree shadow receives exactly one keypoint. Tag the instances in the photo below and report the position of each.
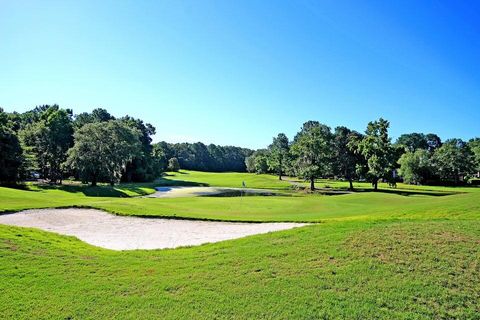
(405, 192)
(96, 191)
(165, 182)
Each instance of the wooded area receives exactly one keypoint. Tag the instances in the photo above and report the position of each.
(52, 143)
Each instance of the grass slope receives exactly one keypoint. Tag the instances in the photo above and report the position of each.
(406, 255)
(227, 179)
(307, 208)
(350, 270)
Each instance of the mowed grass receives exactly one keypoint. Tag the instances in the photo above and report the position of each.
(385, 255)
(387, 270)
(291, 207)
(227, 179)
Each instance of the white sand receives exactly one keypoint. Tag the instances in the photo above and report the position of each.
(177, 192)
(186, 191)
(128, 233)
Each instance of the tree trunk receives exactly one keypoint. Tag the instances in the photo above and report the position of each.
(312, 184)
(351, 184)
(375, 184)
(94, 181)
(280, 176)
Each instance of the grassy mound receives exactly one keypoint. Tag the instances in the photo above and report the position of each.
(412, 254)
(409, 270)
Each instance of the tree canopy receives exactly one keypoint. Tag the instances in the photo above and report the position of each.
(278, 154)
(48, 138)
(53, 143)
(377, 150)
(454, 160)
(10, 151)
(102, 150)
(313, 148)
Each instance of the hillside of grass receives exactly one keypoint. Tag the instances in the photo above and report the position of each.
(405, 253)
(293, 207)
(226, 179)
(382, 270)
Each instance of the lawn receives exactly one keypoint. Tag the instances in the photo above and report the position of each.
(385, 255)
(227, 179)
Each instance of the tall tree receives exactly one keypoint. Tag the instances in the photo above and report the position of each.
(143, 167)
(102, 151)
(278, 154)
(173, 164)
(453, 160)
(412, 141)
(433, 141)
(376, 147)
(10, 151)
(415, 167)
(474, 145)
(313, 148)
(48, 137)
(257, 162)
(345, 159)
(97, 115)
(215, 158)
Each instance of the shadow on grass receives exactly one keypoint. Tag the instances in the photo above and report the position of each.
(404, 192)
(165, 182)
(97, 191)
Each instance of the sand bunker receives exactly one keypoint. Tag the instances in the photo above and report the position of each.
(128, 233)
(178, 192)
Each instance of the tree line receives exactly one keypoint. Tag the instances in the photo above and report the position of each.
(52, 143)
(415, 158)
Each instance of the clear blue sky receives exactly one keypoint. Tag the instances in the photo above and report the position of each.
(239, 72)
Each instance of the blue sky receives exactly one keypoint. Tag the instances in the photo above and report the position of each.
(239, 72)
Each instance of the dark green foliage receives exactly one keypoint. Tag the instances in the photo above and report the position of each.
(454, 160)
(412, 141)
(257, 162)
(144, 167)
(10, 151)
(345, 160)
(102, 151)
(313, 149)
(47, 135)
(213, 158)
(278, 156)
(97, 115)
(433, 141)
(474, 145)
(377, 150)
(415, 167)
(173, 164)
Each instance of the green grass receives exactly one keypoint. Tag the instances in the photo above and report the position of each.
(410, 270)
(228, 179)
(386, 255)
(302, 207)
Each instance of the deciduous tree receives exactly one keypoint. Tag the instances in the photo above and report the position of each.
(454, 160)
(377, 149)
(345, 160)
(415, 167)
(102, 151)
(48, 137)
(313, 149)
(10, 151)
(173, 164)
(278, 154)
